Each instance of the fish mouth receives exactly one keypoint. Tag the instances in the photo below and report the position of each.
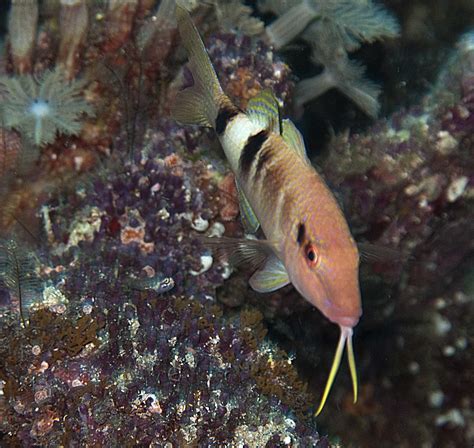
(339, 316)
(346, 321)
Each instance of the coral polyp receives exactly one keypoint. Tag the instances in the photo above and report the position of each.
(41, 108)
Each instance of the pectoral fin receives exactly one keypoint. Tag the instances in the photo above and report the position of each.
(293, 137)
(378, 254)
(270, 277)
(240, 251)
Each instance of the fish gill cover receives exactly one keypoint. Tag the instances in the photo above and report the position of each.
(119, 200)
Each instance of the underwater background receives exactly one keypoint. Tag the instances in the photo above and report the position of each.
(118, 328)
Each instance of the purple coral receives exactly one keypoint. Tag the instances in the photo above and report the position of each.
(151, 369)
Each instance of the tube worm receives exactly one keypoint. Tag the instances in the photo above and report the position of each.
(73, 24)
(120, 19)
(22, 26)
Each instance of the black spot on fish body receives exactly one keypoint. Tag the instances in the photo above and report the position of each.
(224, 116)
(251, 149)
(301, 233)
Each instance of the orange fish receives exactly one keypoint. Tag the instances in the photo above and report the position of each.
(308, 242)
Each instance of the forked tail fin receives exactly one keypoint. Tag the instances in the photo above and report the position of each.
(198, 104)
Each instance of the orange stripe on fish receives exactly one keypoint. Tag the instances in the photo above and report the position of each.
(308, 242)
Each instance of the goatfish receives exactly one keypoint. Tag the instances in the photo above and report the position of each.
(308, 242)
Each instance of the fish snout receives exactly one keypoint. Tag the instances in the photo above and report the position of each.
(340, 315)
(346, 321)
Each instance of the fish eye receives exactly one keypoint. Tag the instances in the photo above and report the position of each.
(311, 255)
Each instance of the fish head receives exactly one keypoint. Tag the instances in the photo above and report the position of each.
(325, 271)
(324, 268)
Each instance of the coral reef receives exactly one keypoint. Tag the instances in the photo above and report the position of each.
(130, 83)
(109, 364)
(74, 94)
(124, 343)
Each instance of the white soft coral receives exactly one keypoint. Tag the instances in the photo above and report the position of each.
(41, 108)
(334, 28)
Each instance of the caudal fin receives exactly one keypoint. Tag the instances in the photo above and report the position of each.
(198, 104)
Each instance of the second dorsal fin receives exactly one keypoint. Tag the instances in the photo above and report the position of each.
(263, 109)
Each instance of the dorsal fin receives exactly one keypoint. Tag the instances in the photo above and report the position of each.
(263, 109)
(198, 104)
(293, 137)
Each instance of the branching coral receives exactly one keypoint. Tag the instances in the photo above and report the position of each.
(333, 28)
(41, 108)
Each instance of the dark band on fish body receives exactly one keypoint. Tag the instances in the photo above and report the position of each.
(224, 116)
(263, 158)
(251, 149)
(301, 233)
